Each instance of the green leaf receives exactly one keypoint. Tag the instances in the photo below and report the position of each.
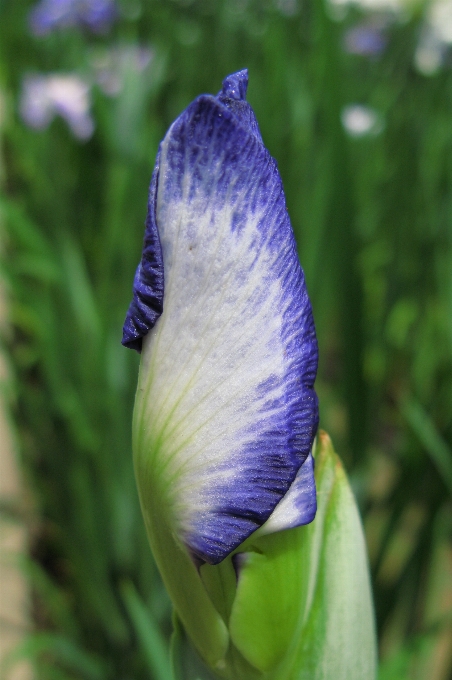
(151, 641)
(62, 650)
(424, 428)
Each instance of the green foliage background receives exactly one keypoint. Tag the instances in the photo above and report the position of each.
(373, 219)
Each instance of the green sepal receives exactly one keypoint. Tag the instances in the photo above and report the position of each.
(186, 664)
(303, 608)
(270, 598)
(220, 581)
(338, 639)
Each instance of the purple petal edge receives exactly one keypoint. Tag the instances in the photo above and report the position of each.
(148, 286)
(299, 505)
(147, 302)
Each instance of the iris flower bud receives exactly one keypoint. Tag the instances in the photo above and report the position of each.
(226, 414)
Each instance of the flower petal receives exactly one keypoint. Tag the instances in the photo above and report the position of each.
(298, 506)
(147, 302)
(226, 411)
(233, 96)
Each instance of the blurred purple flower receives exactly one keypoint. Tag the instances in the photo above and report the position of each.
(46, 96)
(365, 40)
(48, 15)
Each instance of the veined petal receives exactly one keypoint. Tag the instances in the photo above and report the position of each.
(226, 412)
(298, 506)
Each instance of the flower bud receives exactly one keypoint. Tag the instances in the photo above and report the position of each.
(226, 413)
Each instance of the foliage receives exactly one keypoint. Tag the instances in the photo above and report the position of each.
(373, 218)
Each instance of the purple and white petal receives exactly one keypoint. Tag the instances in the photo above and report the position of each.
(298, 506)
(226, 411)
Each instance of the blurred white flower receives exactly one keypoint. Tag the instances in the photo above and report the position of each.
(359, 120)
(112, 66)
(439, 17)
(429, 54)
(436, 37)
(373, 5)
(46, 96)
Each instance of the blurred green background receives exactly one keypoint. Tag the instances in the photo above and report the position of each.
(355, 103)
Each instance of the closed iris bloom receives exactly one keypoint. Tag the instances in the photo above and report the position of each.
(225, 419)
(229, 353)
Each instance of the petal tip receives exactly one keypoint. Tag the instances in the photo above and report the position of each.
(130, 340)
(235, 85)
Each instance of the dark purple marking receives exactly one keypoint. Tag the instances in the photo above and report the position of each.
(147, 301)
